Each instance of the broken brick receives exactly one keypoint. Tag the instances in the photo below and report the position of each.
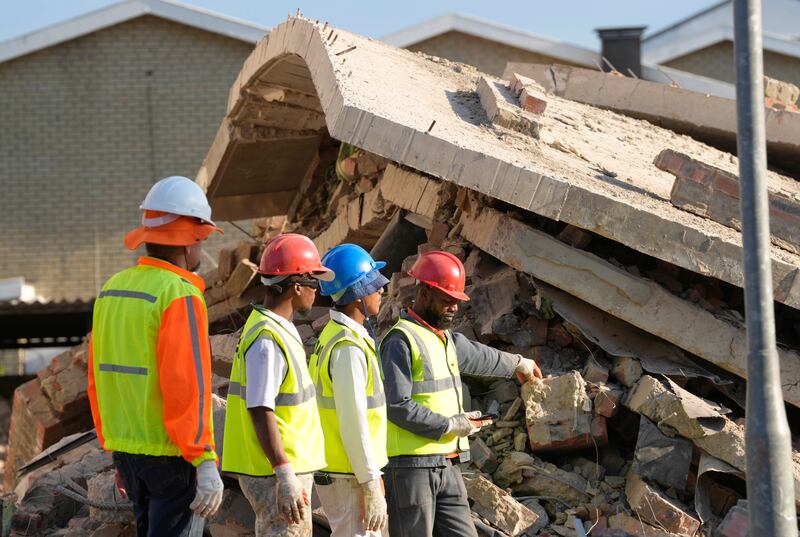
(500, 112)
(595, 372)
(781, 92)
(559, 335)
(607, 400)
(654, 507)
(735, 523)
(627, 370)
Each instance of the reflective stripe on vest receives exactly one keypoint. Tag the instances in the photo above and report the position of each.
(126, 320)
(436, 385)
(295, 406)
(336, 335)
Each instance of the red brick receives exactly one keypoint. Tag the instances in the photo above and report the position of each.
(559, 335)
(734, 524)
(714, 193)
(606, 402)
(627, 370)
(595, 372)
(531, 102)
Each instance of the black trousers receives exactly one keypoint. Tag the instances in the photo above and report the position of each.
(161, 489)
(426, 502)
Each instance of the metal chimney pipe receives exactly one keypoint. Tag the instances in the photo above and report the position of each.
(622, 48)
(770, 486)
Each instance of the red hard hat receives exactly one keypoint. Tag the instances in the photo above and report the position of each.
(291, 253)
(443, 271)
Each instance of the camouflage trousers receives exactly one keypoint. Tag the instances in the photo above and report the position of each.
(261, 493)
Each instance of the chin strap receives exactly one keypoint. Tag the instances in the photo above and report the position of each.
(368, 322)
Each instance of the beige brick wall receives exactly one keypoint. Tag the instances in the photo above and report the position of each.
(717, 62)
(86, 127)
(488, 56)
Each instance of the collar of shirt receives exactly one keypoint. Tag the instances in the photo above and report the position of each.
(359, 329)
(190, 277)
(419, 320)
(286, 324)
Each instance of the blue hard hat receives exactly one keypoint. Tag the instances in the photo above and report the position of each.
(355, 270)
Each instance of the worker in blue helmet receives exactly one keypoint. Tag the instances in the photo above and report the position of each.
(352, 405)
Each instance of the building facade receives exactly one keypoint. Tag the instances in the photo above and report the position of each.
(88, 125)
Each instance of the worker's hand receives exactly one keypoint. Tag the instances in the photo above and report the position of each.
(527, 370)
(292, 497)
(465, 424)
(373, 503)
(209, 490)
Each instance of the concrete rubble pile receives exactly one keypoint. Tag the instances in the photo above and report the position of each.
(619, 279)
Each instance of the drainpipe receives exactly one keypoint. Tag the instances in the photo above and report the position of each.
(770, 486)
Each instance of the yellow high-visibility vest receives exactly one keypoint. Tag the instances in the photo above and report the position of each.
(295, 407)
(335, 335)
(436, 386)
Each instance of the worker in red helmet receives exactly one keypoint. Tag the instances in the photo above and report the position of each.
(428, 426)
(273, 437)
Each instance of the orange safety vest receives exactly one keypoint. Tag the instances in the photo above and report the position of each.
(150, 363)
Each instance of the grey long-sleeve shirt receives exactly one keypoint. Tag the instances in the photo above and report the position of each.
(473, 359)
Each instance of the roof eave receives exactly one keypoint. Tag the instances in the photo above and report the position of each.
(492, 31)
(122, 12)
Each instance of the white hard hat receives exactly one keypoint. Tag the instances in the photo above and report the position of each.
(178, 195)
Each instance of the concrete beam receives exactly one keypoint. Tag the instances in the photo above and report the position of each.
(413, 192)
(705, 117)
(638, 301)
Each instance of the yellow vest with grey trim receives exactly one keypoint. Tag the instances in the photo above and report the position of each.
(295, 407)
(336, 335)
(127, 319)
(436, 386)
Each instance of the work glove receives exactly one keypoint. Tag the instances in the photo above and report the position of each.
(123, 493)
(465, 424)
(527, 370)
(292, 496)
(374, 505)
(209, 490)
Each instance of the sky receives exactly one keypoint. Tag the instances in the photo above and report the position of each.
(573, 21)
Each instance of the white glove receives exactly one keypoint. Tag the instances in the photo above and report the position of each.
(527, 370)
(209, 490)
(374, 505)
(291, 495)
(464, 424)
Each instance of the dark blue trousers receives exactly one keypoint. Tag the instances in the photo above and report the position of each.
(161, 489)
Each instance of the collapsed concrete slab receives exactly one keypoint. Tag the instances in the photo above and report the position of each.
(678, 411)
(704, 117)
(640, 302)
(425, 114)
